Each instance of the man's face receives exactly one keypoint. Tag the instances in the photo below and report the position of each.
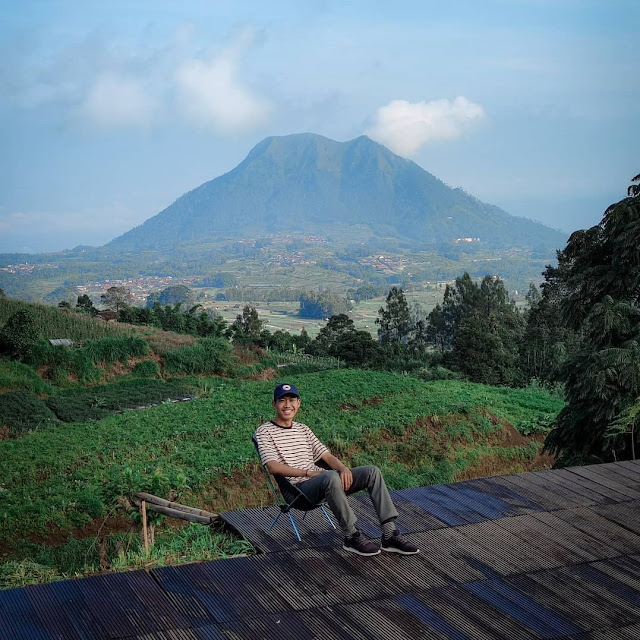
(286, 407)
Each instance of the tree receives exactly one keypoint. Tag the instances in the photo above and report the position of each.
(19, 334)
(136, 315)
(460, 300)
(481, 353)
(321, 305)
(634, 189)
(175, 294)
(339, 338)
(599, 278)
(546, 342)
(246, 327)
(478, 329)
(395, 320)
(117, 297)
(85, 305)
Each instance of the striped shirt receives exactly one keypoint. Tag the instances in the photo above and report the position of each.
(295, 446)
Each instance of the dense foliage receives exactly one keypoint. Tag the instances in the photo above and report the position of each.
(19, 335)
(597, 283)
(321, 305)
(195, 320)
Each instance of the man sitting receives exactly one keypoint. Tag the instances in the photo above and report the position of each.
(291, 449)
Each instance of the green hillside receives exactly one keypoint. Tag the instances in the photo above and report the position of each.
(61, 486)
(83, 429)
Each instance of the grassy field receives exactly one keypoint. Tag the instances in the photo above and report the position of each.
(61, 488)
(56, 323)
(284, 315)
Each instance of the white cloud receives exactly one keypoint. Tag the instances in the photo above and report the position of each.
(116, 101)
(212, 94)
(404, 127)
(119, 83)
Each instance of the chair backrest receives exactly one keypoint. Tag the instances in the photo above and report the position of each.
(289, 493)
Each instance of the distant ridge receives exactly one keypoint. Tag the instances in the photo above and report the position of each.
(309, 183)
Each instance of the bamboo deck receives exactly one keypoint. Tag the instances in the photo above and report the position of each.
(553, 554)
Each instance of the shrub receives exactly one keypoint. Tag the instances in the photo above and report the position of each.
(146, 369)
(17, 375)
(113, 349)
(84, 368)
(44, 353)
(437, 373)
(95, 403)
(207, 356)
(63, 361)
(23, 410)
(19, 334)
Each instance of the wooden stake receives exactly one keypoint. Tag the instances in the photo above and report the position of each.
(151, 499)
(143, 507)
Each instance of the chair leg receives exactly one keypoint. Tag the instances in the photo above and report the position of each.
(326, 515)
(273, 524)
(293, 524)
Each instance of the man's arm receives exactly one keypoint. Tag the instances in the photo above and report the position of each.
(279, 469)
(342, 469)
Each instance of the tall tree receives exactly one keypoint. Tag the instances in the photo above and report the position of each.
(478, 328)
(394, 320)
(339, 338)
(84, 304)
(117, 297)
(460, 300)
(546, 342)
(246, 327)
(599, 274)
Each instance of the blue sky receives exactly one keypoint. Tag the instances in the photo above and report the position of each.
(109, 111)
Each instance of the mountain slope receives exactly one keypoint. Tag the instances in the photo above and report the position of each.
(308, 183)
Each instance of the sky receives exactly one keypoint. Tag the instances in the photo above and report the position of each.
(110, 111)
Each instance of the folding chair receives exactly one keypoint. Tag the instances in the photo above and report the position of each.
(290, 497)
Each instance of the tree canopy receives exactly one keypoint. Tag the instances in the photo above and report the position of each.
(598, 277)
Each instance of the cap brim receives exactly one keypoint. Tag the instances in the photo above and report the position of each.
(286, 393)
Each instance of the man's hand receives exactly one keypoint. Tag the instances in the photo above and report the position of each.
(345, 473)
(346, 477)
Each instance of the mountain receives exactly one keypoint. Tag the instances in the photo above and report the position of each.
(311, 184)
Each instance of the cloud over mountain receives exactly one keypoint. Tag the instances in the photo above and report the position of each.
(404, 126)
(116, 101)
(212, 93)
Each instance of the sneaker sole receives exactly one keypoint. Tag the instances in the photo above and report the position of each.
(360, 553)
(404, 553)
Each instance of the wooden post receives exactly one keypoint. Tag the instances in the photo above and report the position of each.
(143, 507)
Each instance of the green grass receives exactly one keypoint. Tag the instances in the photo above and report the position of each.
(207, 356)
(64, 476)
(23, 410)
(17, 375)
(120, 552)
(60, 362)
(51, 322)
(70, 475)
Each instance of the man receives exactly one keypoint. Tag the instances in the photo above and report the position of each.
(291, 449)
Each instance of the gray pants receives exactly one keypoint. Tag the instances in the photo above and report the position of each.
(328, 486)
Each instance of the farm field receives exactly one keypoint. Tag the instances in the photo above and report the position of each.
(63, 486)
(284, 315)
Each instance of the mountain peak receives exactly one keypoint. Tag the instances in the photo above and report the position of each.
(310, 183)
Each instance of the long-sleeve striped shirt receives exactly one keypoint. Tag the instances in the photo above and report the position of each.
(296, 446)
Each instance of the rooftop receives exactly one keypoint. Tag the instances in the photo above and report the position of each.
(550, 554)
